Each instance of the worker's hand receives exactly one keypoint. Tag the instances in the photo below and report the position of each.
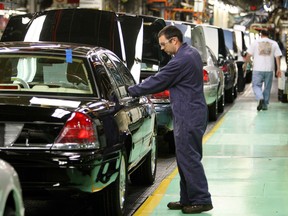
(279, 74)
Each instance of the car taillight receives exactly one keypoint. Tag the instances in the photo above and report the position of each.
(224, 68)
(78, 129)
(161, 95)
(205, 76)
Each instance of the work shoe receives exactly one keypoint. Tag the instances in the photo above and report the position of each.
(175, 205)
(194, 209)
(259, 107)
(264, 107)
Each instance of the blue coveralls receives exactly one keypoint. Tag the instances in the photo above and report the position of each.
(183, 76)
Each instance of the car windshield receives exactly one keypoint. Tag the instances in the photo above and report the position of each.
(45, 74)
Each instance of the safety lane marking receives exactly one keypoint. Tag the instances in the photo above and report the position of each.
(153, 200)
(213, 130)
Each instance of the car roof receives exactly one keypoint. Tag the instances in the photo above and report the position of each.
(53, 47)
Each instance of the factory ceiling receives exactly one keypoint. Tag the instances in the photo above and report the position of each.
(246, 5)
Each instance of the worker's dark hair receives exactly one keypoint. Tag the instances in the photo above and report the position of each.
(171, 31)
(264, 32)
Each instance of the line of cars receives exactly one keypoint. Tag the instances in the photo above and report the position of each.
(64, 105)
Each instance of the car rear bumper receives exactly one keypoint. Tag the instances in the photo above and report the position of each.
(71, 173)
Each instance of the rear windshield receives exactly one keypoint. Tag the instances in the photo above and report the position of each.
(46, 74)
(228, 39)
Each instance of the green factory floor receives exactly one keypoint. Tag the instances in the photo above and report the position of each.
(245, 160)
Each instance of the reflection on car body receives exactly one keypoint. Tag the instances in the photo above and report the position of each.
(11, 200)
(69, 124)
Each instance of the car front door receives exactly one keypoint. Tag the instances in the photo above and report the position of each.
(134, 109)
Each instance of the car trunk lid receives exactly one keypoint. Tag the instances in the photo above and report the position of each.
(28, 124)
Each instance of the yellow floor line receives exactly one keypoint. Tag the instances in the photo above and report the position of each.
(212, 131)
(153, 200)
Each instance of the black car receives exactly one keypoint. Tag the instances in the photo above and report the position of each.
(68, 125)
(132, 38)
(229, 67)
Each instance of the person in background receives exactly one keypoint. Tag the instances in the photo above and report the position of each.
(264, 51)
(281, 46)
(183, 76)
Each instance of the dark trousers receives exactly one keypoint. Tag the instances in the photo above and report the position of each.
(193, 182)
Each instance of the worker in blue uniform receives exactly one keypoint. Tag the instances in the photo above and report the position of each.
(183, 76)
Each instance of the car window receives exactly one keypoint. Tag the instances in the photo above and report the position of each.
(222, 47)
(45, 74)
(229, 39)
(105, 83)
(116, 78)
(123, 71)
